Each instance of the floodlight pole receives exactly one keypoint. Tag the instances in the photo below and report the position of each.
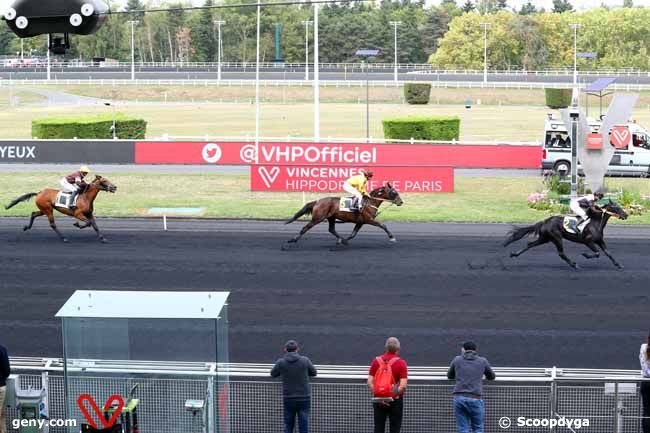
(316, 79)
(575, 52)
(133, 24)
(485, 61)
(395, 24)
(257, 88)
(219, 23)
(307, 23)
(49, 63)
(367, 106)
(574, 114)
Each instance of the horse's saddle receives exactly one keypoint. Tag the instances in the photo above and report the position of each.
(570, 224)
(63, 199)
(346, 204)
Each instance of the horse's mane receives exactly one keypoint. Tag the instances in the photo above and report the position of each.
(375, 192)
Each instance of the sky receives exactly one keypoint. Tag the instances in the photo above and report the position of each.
(547, 4)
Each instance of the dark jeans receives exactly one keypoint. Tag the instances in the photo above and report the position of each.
(645, 396)
(469, 414)
(392, 412)
(293, 409)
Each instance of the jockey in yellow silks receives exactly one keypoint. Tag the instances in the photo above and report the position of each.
(356, 185)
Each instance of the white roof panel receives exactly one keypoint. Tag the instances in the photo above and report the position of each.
(144, 305)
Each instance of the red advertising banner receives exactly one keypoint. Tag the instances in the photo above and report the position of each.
(309, 178)
(284, 153)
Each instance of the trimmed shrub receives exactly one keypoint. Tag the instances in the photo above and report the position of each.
(428, 128)
(417, 93)
(558, 98)
(89, 127)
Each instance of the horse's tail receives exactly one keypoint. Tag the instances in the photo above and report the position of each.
(518, 233)
(21, 199)
(306, 210)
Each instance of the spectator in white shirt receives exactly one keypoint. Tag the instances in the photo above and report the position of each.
(644, 358)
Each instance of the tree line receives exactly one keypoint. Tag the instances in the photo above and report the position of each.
(447, 35)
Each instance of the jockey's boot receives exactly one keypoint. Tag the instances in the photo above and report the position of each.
(72, 205)
(576, 227)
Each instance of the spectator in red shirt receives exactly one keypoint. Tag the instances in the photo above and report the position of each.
(390, 410)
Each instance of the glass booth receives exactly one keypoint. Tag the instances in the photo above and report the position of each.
(163, 353)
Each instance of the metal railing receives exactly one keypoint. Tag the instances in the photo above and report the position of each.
(41, 62)
(340, 399)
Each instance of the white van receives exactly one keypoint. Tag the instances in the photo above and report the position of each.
(631, 161)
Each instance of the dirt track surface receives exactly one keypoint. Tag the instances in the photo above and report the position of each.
(438, 286)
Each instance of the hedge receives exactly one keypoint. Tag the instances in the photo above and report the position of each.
(417, 93)
(89, 127)
(558, 98)
(428, 128)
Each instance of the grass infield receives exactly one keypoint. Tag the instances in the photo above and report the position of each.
(493, 199)
(229, 111)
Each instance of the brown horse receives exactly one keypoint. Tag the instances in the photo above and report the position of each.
(328, 209)
(45, 201)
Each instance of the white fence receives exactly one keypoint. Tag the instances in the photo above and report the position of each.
(309, 83)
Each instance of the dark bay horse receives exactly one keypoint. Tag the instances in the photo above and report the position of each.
(46, 203)
(328, 209)
(552, 230)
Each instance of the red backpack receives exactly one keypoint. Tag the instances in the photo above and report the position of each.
(384, 381)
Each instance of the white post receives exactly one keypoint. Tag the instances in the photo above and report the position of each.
(485, 61)
(22, 49)
(219, 23)
(316, 79)
(257, 89)
(49, 65)
(395, 24)
(307, 23)
(133, 23)
(575, 52)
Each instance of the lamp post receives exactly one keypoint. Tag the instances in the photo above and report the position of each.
(306, 24)
(395, 24)
(133, 24)
(316, 79)
(49, 63)
(257, 87)
(485, 61)
(219, 23)
(114, 127)
(366, 54)
(575, 28)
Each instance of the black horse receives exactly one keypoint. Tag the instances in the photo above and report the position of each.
(552, 230)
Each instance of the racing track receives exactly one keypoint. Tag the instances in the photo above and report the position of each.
(438, 286)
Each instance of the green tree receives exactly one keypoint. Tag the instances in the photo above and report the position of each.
(135, 5)
(628, 3)
(468, 6)
(6, 38)
(527, 9)
(436, 24)
(560, 6)
(203, 41)
(502, 4)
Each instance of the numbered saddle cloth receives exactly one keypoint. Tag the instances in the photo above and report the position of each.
(570, 224)
(63, 199)
(346, 204)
